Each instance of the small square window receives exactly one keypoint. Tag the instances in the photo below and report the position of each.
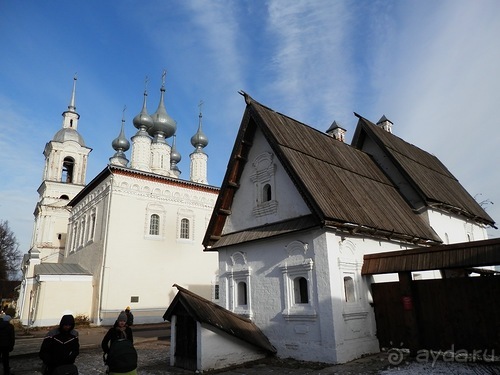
(134, 299)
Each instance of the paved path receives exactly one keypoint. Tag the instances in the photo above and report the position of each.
(152, 344)
(89, 337)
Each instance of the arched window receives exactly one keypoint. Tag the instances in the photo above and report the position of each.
(154, 225)
(92, 225)
(300, 290)
(349, 294)
(64, 196)
(82, 233)
(266, 193)
(74, 239)
(185, 228)
(67, 170)
(242, 293)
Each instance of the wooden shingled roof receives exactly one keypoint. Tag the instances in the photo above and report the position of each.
(460, 255)
(427, 175)
(343, 186)
(205, 311)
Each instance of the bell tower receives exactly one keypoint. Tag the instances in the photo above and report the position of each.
(63, 177)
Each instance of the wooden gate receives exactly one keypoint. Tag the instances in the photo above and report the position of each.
(185, 342)
(452, 314)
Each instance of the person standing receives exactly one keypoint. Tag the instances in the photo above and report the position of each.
(118, 347)
(60, 347)
(7, 341)
(130, 317)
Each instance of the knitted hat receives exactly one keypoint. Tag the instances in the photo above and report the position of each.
(122, 316)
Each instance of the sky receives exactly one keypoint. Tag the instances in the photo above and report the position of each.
(430, 66)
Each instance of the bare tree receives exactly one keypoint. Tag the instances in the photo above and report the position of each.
(10, 255)
(483, 203)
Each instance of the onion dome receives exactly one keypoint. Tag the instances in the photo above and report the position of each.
(162, 122)
(68, 134)
(199, 140)
(121, 143)
(175, 156)
(143, 120)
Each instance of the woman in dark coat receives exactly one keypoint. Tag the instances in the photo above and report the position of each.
(60, 346)
(120, 330)
(118, 347)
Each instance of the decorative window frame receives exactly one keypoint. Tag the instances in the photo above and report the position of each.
(263, 178)
(239, 272)
(92, 224)
(296, 265)
(155, 209)
(189, 215)
(82, 233)
(350, 267)
(74, 237)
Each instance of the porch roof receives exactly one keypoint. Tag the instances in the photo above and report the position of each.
(208, 312)
(458, 255)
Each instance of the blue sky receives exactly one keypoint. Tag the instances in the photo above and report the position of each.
(432, 67)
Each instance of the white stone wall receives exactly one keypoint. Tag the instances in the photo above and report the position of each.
(198, 167)
(286, 201)
(141, 152)
(132, 263)
(217, 349)
(73, 293)
(55, 153)
(452, 228)
(329, 329)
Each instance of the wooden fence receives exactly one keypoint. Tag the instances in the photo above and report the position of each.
(452, 314)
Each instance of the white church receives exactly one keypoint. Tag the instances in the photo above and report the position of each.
(128, 235)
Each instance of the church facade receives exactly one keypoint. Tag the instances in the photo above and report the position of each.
(128, 235)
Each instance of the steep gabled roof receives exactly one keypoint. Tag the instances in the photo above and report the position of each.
(212, 314)
(427, 175)
(343, 187)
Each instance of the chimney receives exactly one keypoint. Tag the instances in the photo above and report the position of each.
(385, 124)
(336, 131)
